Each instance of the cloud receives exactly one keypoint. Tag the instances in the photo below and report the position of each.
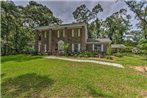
(63, 9)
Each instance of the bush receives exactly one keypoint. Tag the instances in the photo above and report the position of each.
(118, 55)
(30, 50)
(109, 57)
(128, 49)
(84, 54)
(109, 49)
(136, 50)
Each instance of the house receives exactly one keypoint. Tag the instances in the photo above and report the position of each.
(50, 39)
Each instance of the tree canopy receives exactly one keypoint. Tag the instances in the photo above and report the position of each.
(17, 23)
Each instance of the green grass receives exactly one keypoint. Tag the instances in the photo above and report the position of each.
(34, 76)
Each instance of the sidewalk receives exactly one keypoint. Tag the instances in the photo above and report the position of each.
(91, 61)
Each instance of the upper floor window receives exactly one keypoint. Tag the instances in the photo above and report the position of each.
(79, 32)
(72, 33)
(76, 33)
(61, 33)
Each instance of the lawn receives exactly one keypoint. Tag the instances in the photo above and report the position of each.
(38, 77)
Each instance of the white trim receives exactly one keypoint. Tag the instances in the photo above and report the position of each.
(63, 33)
(93, 47)
(72, 47)
(72, 33)
(58, 35)
(102, 47)
(79, 47)
(79, 32)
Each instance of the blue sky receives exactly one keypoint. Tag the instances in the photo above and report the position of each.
(63, 9)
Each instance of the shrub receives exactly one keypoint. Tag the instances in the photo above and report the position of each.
(136, 50)
(66, 46)
(128, 49)
(30, 50)
(84, 54)
(109, 49)
(118, 55)
(109, 57)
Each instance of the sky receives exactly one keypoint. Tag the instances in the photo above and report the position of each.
(63, 9)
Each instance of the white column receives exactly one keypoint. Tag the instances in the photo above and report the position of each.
(102, 47)
(92, 47)
(78, 47)
(72, 47)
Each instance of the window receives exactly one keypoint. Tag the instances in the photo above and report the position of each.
(75, 47)
(97, 47)
(58, 33)
(72, 33)
(79, 32)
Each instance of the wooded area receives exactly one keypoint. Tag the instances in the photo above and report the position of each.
(18, 22)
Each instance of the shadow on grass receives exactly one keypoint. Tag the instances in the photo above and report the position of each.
(3, 75)
(97, 94)
(18, 58)
(27, 85)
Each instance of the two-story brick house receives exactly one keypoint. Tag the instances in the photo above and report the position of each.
(49, 39)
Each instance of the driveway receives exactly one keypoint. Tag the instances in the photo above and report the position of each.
(91, 61)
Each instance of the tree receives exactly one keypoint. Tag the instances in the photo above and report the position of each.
(39, 15)
(17, 23)
(140, 10)
(109, 49)
(9, 14)
(83, 14)
(96, 9)
(143, 46)
(117, 26)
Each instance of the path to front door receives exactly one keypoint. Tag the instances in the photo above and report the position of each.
(91, 61)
